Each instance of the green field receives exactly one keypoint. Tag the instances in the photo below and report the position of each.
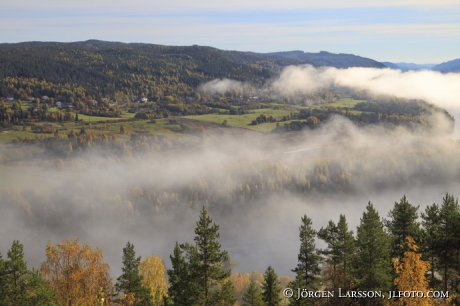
(163, 127)
(244, 121)
(52, 110)
(10, 135)
(341, 104)
(160, 127)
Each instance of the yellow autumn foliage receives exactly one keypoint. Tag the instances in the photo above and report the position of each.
(153, 271)
(76, 272)
(411, 271)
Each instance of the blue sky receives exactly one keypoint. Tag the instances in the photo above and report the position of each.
(421, 31)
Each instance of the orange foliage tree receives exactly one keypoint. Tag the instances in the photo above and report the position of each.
(76, 273)
(411, 271)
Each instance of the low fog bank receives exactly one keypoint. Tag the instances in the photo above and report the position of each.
(438, 88)
(434, 87)
(271, 235)
(265, 235)
(255, 190)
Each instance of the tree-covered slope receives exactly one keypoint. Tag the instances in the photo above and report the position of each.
(105, 68)
(324, 58)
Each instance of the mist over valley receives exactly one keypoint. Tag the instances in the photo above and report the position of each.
(257, 151)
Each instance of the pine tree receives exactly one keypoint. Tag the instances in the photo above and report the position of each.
(179, 278)
(441, 242)
(345, 250)
(20, 286)
(252, 296)
(431, 225)
(307, 269)
(271, 288)
(448, 244)
(332, 260)
(402, 223)
(373, 265)
(2, 279)
(339, 256)
(130, 282)
(206, 260)
(15, 270)
(308, 258)
(225, 296)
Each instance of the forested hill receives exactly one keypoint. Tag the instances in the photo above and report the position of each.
(105, 68)
(324, 58)
(99, 68)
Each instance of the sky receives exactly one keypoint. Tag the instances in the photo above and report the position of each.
(420, 31)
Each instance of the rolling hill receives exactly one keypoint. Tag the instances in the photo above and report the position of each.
(450, 66)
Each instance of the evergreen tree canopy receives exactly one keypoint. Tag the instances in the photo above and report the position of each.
(448, 242)
(308, 258)
(402, 222)
(271, 288)
(20, 286)
(373, 265)
(307, 269)
(130, 282)
(339, 254)
(252, 296)
(430, 235)
(179, 277)
(225, 296)
(206, 259)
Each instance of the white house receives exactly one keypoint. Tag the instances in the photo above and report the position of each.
(58, 103)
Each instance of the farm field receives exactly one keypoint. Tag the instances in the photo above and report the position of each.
(244, 121)
(341, 104)
(104, 125)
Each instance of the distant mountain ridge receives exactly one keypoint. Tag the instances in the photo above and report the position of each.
(409, 66)
(450, 66)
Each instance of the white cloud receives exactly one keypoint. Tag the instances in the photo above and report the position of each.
(434, 87)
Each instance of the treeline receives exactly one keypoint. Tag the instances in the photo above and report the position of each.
(15, 114)
(399, 253)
